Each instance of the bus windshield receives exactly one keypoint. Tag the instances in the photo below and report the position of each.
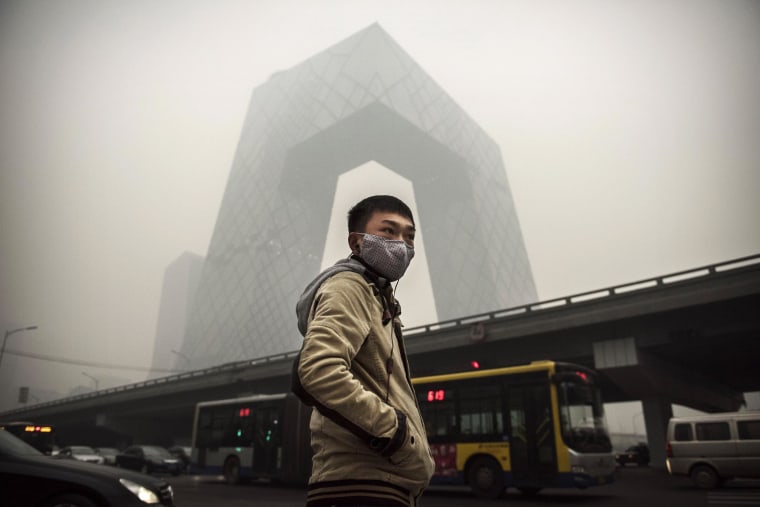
(584, 428)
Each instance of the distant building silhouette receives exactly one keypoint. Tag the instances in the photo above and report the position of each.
(363, 99)
(181, 280)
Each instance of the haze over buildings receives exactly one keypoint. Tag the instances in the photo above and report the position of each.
(628, 129)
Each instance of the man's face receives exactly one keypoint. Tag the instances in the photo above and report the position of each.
(387, 225)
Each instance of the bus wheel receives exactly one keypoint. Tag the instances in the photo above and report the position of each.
(704, 477)
(232, 470)
(486, 477)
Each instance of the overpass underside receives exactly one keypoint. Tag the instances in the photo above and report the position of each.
(642, 375)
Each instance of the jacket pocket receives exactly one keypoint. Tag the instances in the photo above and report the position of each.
(411, 453)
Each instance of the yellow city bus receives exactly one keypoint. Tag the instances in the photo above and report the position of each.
(530, 427)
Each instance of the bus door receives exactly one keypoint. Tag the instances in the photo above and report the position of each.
(531, 435)
(267, 441)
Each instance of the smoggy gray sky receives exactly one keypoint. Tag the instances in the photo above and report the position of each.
(629, 131)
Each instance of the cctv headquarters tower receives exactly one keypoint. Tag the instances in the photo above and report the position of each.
(362, 100)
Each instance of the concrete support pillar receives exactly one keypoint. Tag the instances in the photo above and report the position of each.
(657, 413)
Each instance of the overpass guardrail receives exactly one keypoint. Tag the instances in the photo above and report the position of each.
(616, 290)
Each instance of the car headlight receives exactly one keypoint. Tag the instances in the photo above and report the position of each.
(140, 491)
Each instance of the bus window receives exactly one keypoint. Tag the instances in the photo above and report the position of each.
(438, 410)
(215, 427)
(517, 423)
(480, 413)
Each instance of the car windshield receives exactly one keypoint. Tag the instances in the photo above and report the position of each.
(180, 451)
(584, 428)
(82, 449)
(11, 445)
(158, 452)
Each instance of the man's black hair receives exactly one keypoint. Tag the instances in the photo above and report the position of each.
(359, 215)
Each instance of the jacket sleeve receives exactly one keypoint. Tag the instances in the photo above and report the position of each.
(340, 322)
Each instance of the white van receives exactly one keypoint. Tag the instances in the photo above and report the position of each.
(715, 447)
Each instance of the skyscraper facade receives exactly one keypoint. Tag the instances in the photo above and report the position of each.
(363, 99)
(181, 279)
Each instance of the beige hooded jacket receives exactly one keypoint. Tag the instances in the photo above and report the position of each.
(368, 438)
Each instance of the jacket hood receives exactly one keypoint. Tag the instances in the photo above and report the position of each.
(352, 263)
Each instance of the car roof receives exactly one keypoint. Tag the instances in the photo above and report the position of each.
(750, 414)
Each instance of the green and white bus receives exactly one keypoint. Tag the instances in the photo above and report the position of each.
(255, 437)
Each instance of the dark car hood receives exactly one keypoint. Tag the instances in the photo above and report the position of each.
(81, 468)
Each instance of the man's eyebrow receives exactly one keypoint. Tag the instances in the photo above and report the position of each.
(399, 225)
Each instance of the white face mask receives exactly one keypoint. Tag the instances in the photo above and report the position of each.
(388, 257)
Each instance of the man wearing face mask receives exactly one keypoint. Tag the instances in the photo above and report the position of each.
(369, 441)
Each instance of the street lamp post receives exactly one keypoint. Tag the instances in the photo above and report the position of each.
(92, 378)
(8, 333)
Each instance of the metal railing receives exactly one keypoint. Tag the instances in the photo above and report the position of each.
(583, 297)
(233, 366)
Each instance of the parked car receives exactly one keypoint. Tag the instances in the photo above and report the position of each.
(636, 454)
(182, 453)
(81, 453)
(108, 453)
(148, 459)
(30, 478)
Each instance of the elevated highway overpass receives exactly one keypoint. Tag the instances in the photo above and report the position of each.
(690, 338)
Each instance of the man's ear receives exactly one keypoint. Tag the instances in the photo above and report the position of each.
(354, 242)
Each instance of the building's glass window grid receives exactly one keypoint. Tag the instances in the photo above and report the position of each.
(282, 182)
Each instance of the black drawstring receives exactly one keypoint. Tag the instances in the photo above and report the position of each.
(387, 317)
